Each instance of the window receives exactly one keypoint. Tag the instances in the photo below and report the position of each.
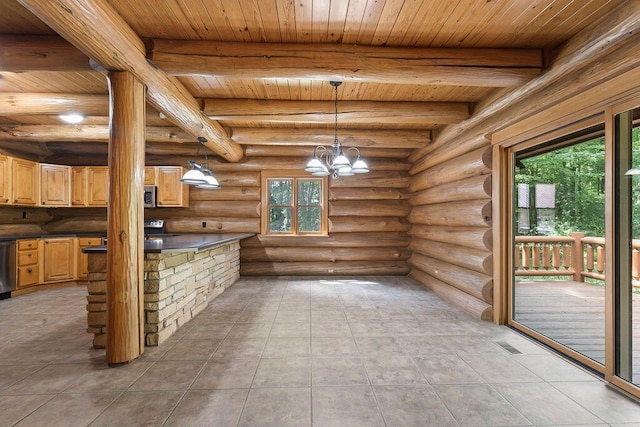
(293, 204)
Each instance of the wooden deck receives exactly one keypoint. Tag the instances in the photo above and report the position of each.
(571, 313)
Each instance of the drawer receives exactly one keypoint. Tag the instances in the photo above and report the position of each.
(27, 258)
(28, 276)
(25, 245)
(89, 241)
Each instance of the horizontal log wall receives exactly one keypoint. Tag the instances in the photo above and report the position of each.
(21, 221)
(368, 226)
(450, 233)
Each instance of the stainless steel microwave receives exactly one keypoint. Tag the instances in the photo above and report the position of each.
(150, 192)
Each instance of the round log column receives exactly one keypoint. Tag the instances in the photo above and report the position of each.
(125, 290)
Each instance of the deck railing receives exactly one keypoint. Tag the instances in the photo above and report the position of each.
(576, 256)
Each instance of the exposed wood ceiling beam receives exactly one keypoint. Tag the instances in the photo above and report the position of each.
(48, 53)
(350, 112)
(86, 133)
(356, 137)
(12, 103)
(422, 66)
(99, 32)
(255, 136)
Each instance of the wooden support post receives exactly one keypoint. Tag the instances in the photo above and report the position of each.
(125, 290)
(578, 256)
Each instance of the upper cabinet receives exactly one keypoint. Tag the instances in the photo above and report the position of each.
(97, 185)
(27, 183)
(55, 185)
(26, 179)
(171, 192)
(5, 180)
(79, 186)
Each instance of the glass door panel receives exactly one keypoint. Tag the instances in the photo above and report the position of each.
(627, 240)
(559, 246)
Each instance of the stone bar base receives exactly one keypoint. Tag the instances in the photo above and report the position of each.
(177, 286)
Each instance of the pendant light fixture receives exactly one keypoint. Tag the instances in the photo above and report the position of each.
(334, 161)
(200, 175)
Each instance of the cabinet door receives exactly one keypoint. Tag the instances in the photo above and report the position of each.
(78, 186)
(97, 185)
(149, 175)
(25, 175)
(5, 180)
(83, 259)
(58, 259)
(171, 192)
(55, 185)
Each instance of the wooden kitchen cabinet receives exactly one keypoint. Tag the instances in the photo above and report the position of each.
(28, 262)
(5, 180)
(149, 175)
(59, 259)
(97, 185)
(25, 175)
(79, 186)
(55, 185)
(82, 258)
(171, 192)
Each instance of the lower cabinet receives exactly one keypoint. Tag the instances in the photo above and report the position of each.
(83, 259)
(51, 260)
(59, 259)
(28, 262)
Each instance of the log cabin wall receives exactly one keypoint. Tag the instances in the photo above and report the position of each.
(368, 229)
(23, 221)
(450, 227)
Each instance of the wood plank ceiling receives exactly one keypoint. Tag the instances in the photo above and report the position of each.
(255, 67)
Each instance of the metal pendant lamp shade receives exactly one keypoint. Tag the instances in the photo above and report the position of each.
(200, 175)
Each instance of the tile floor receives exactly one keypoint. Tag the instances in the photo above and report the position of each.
(352, 352)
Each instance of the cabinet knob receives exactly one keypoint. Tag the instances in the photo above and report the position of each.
(30, 270)
(29, 245)
(29, 255)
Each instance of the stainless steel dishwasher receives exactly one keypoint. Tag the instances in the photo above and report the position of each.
(7, 268)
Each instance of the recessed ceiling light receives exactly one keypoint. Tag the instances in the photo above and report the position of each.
(72, 118)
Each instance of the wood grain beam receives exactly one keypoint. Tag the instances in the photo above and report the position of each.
(17, 103)
(420, 66)
(352, 137)
(85, 133)
(47, 53)
(103, 35)
(323, 112)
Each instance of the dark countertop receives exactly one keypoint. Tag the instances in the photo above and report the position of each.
(181, 242)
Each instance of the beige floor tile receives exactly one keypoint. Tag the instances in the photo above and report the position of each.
(334, 347)
(331, 329)
(250, 330)
(207, 331)
(70, 410)
(327, 315)
(345, 406)
(219, 408)
(542, 404)
(109, 379)
(479, 405)
(139, 408)
(168, 375)
(50, 379)
(498, 368)
(289, 316)
(338, 371)
(446, 369)
(412, 406)
(550, 367)
(11, 374)
(379, 346)
(603, 401)
(187, 349)
(15, 408)
(285, 372)
(291, 330)
(287, 347)
(226, 374)
(393, 370)
(240, 348)
(277, 407)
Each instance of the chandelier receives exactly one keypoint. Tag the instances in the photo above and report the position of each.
(334, 161)
(200, 175)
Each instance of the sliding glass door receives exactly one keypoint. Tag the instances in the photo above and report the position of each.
(558, 282)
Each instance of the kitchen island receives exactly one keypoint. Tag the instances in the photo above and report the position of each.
(182, 274)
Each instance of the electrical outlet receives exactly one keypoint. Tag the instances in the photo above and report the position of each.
(204, 224)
